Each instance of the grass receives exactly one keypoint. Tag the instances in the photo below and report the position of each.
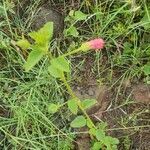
(27, 95)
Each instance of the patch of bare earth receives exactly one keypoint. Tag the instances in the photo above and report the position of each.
(129, 121)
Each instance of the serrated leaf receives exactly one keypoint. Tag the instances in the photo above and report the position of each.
(102, 125)
(78, 122)
(43, 35)
(87, 103)
(55, 72)
(97, 146)
(146, 69)
(61, 63)
(100, 135)
(71, 31)
(24, 44)
(53, 108)
(33, 58)
(112, 140)
(78, 15)
(72, 105)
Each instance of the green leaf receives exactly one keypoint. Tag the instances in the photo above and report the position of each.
(113, 141)
(43, 35)
(72, 31)
(110, 141)
(102, 125)
(78, 122)
(87, 103)
(78, 15)
(146, 20)
(97, 146)
(53, 108)
(24, 44)
(146, 69)
(114, 147)
(72, 105)
(33, 58)
(54, 71)
(61, 63)
(100, 134)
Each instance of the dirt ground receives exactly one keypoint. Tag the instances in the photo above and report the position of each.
(128, 120)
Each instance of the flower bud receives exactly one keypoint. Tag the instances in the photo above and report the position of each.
(93, 44)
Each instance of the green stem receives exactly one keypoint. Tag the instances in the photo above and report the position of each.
(67, 86)
(72, 52)
(84, 112)
(77, 99)
(7, 19)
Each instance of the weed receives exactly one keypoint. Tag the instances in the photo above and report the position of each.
(58, 67)
(39, 105)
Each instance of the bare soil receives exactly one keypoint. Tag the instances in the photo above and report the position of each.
(127, 121)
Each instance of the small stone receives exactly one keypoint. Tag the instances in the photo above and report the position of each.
(78, 88)
(91, 91)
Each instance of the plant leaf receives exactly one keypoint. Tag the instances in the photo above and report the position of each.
(61, 63)
(87, 103)
(102, 125)
(53, 108)
(71, 31)
(24, 44)
(72, 105)
(78, 122)
(112, 140)
(100, 134)
(97, 146)
(43, 35)
(146, 69)
(78, 15)
(33, 58)
(55, 72)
